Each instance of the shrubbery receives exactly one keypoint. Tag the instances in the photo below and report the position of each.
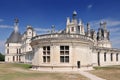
(2, 57)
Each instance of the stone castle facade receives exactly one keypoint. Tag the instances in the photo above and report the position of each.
(72, 48)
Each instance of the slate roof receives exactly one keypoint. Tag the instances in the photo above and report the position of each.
(15, 37)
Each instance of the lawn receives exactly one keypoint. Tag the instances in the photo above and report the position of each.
(14, 71)
(108, 73)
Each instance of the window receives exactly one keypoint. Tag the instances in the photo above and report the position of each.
(117, 57)
(29, 32)
(17, 51)
(13, 58)
(20, 51)
(46, 54)
(17, 58)
(64, 54)
(105, 56)
(7, 51)
(72, 29)
(111, 56)
(7, 45)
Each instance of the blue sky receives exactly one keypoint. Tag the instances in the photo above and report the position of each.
(41, 14)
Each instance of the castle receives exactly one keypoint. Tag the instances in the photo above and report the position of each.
(72, 48)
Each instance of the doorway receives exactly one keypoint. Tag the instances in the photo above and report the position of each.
(78, 64)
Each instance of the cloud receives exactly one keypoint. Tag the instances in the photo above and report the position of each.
(1, 20)
(6, 26)
(89, 6)
(110, 22)
(42, 29)
(115, 42)
(113, 23)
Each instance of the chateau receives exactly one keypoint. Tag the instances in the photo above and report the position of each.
(73, 48)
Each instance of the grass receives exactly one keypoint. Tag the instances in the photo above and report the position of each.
(10, 71)
(108, 73)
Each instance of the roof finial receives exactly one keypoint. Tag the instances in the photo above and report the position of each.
(74, 12)
(16, 21)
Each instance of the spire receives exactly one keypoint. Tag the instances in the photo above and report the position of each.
(16, 21)
(88, 26)
(68, 21)
(74, 13)
(80, 22)
(88, 29)
(104, 25)
(53, 29)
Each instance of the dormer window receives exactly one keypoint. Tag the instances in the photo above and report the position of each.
(72, 29)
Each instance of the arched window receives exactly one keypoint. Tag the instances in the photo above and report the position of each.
(111, 56)
(105, 56)
(117, 57)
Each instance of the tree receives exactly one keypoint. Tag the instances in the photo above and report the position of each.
(2, 57)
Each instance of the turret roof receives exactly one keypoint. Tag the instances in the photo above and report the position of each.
(15, 37)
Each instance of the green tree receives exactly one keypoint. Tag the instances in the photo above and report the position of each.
(2, 57)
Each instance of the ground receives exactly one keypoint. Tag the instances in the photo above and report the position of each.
(9, 71)
(14, 71)
(108, 73)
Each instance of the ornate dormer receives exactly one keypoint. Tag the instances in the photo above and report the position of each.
(103, 36)
(73, 27)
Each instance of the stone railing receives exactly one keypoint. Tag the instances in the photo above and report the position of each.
(61, 36)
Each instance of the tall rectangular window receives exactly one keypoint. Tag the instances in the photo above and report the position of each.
(17, 51)
(46, 54)
(105, 56)
(64, 54)
(111, 56)
(8, 45)
(7, 51)
(117, 57)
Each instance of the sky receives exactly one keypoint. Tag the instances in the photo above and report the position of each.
(42, 14)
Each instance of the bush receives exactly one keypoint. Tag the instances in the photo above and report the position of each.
(2, 57)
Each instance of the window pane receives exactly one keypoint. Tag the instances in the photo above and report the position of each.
(66, 58)
(48, 47)
(61, 58)
(66, 52)
(66, 47)
(44, 48)
(44, 53)
(48, 58)
(61, 47)
(61, 52)
(48, 52)
(44, 59)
